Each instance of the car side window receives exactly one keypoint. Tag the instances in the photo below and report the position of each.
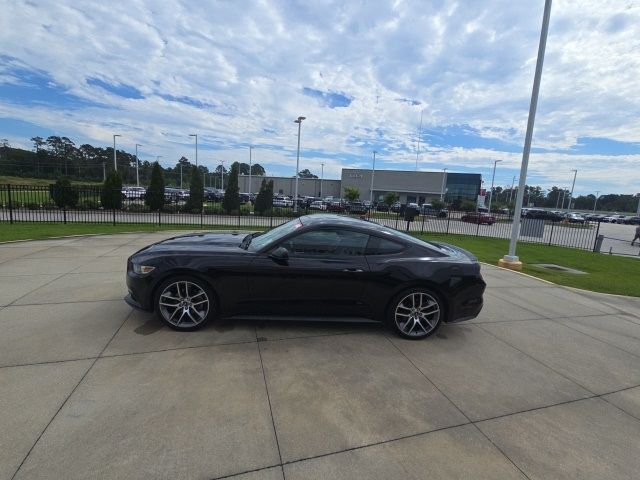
(327, 243)
(382, 246)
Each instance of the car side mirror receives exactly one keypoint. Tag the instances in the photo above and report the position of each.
(280, 255)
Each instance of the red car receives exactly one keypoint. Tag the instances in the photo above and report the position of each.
(479, 217)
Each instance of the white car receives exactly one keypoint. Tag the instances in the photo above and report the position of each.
(318, 205)
(132, 193)
(282, 202)
(614, 219)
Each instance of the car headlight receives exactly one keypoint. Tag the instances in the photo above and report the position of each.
(142, 269)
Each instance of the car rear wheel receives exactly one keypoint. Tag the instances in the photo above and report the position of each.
(416, 313)
(184, 303)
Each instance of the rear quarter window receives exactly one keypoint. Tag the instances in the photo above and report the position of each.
(382, 246)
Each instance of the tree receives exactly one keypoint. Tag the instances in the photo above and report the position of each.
(194, 203)
(467, 205)
(231, 201)
(437, 204)
(111, 194)
(38, 143)
(390, 198)
(63, 194)
(306, 174)
(257, 169)
(154, 197)
(351, 193)
(264, 200)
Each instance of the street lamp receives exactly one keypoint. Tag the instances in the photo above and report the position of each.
(295, 198)
(575, 173)
(513, 182)
(596, 202)
(444, 183)
(373, 172)
(137, 171)
(195, 135)
(492, 179)
(321, 178)
(222, 175)
(115, 162)
(511, 260)
(250, 149)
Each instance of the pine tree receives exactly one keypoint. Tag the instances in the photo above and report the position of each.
(154, 197)
(231, 202)
(111, 195)
(196, 193)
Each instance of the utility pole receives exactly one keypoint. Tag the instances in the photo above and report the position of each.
(493, 177)
(419, 135)
(444, 184)
(250, 149)
(137, 162)
(295, 198)
(321, 179)
(373, 172)
(575, 173)
(596, 202)
(115, 161)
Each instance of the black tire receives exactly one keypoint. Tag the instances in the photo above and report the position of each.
(424, 325)
(194, 302)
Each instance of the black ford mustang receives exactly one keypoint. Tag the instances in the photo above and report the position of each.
(316, 267)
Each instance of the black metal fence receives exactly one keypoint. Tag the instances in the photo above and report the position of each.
(24, 204)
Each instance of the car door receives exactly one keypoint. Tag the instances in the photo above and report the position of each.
(324, 276)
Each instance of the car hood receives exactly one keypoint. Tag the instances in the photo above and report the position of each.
(199, 242)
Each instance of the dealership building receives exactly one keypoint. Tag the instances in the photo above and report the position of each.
(411, 186)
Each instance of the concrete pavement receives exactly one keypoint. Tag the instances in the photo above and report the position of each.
(544, 384)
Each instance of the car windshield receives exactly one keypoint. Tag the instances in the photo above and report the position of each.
(259, 241)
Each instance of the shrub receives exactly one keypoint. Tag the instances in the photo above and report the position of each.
(196, 197)
(63, 194)
(351, 193)
(154, 197)
(231, 202)
(264, 200)
(111, 194)
(390, 198)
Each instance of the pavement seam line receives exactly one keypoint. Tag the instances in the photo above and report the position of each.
(266, 387)
(68, 397)
(535, 359)
(599, 339)
(457, 407)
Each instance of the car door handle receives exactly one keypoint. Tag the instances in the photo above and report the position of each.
(353, 270)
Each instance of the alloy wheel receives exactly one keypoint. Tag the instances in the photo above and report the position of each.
(184, 304)
(417, 314)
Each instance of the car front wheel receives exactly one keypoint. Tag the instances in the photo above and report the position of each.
(184, 303)
(416, 313)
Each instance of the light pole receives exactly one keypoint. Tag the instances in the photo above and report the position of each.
(195, 135)
(596, 202)
(295, 198)
(180, 175)
(137, 171)
(115, 162)
(419, 135)
(564, 192)
(222, 175)
(575, 173)
(513, 182)
(493, 177)
(321, 178)
(373, 172)
(511, 260)
(444, 183)
(250, 149)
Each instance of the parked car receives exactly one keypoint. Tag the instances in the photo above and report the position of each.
(395, 208)
(594, 217)
(133, 193)
(479, 217)
(541, 214)
(343, 268)
(633, 220)
(357, 207)
(575, 218)
(171, 195)
(428, 210)
(337, 206)
(382, 207)
(282, 202)
(614, 219)
(318, 205)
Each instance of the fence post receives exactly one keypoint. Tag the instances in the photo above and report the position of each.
(271, 220)
(202, 217)
(397, 218)
(448, 221)
(114, 215)
(64, 214)
(159, 217)
(10, 203)
(238, 217)
(478, 227)
(422, 228)
(597, 245)
(551, 235)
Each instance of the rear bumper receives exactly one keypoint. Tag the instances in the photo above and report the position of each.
(468, 302)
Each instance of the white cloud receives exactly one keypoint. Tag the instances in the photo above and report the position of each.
(467, 63)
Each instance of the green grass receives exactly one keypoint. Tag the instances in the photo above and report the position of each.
(605, 273)
(4, 179)
(38, 231)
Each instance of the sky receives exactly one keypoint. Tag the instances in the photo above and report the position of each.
(440, 84)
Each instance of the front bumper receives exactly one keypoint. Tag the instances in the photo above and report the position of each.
(140, 291)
